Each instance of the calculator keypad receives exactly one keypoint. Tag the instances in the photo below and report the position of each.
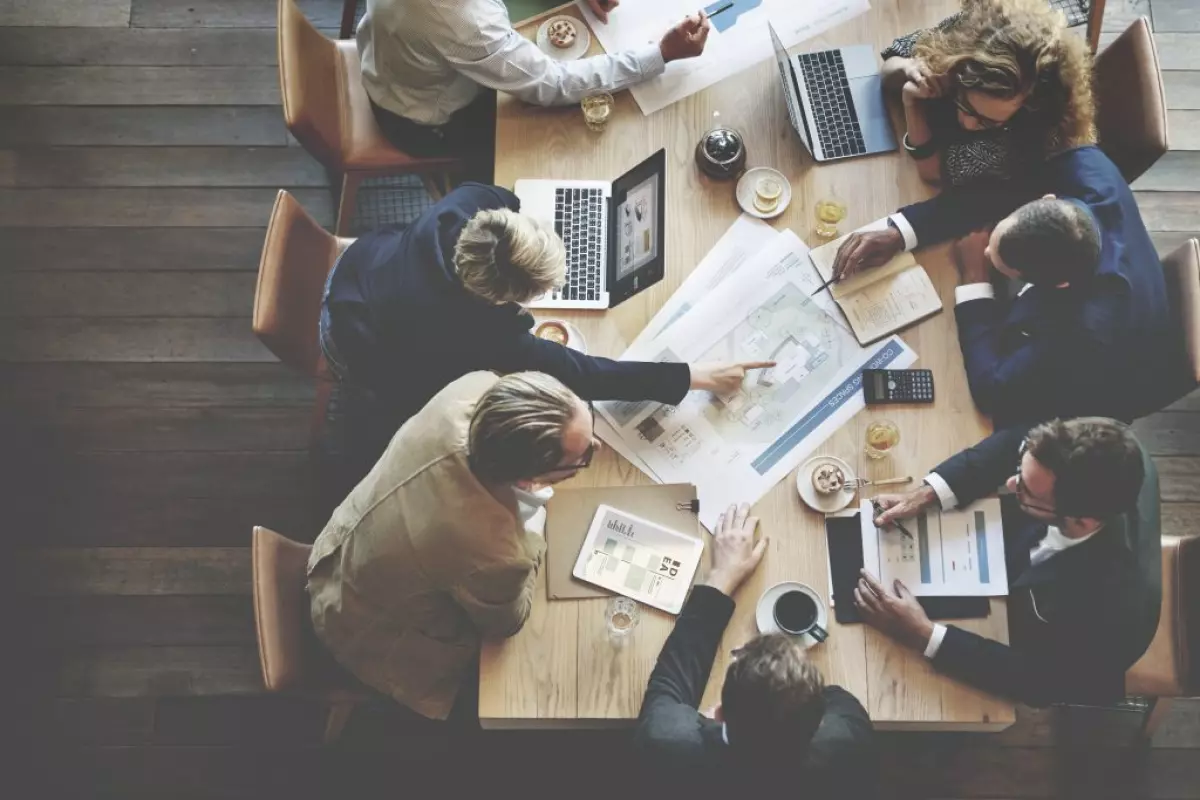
(911, 386)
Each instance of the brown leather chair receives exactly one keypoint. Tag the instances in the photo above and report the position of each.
(1131, 116)
(291, 657)
(1182, 271)
(326, 108)
(349, 10)
(1170, 666)
(296, 258)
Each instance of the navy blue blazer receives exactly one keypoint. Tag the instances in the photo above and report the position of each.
(407, 327)
(1100, 347)
(1078, 620)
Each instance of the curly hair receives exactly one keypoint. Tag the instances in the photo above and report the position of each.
(1005, 48)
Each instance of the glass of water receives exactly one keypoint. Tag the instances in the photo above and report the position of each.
(621, 617)
(597, 109)
(830, 210)
(882, 437)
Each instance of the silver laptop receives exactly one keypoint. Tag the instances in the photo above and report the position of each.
(835, 101)
(614, 233)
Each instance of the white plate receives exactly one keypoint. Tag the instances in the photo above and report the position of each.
(575, 339)
(764, 613)
(745, 191)
(825, 503)
(583, 39)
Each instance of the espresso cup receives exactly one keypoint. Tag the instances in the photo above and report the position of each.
(796, 612)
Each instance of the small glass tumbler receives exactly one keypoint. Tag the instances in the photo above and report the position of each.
(621, 617)
(829, 211)
(882, 437)
(597, 110)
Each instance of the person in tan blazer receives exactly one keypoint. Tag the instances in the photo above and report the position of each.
(431, 552)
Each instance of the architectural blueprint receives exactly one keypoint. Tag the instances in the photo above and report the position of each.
(736, 447)
(738, 38)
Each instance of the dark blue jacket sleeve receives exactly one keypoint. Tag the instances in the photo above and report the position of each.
(593, 377)
(669, 724)
(978, 471)
(957, 212)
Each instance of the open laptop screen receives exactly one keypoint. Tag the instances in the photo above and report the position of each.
(791, 92)
(637, 228)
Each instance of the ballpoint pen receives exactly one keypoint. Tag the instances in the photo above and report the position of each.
(725, 7)
(825, 286)
(880, 509)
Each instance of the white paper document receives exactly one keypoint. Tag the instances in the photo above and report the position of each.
(739, 38)
(955, 553)
(639, 559)
(736, 447)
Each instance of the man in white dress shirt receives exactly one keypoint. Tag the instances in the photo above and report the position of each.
(1083, 551)
(428, 65)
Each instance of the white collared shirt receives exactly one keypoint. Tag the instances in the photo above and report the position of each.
(426, 59)
(531, 508)
(1053, 542)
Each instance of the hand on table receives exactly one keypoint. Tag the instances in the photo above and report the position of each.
(722, 378)
(896, 613)
(866, 250)
(686, 40)
(735, 553)
(970, 257)
(601, 8)
(903, 506)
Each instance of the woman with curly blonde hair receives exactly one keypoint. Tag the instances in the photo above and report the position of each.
(992, 91)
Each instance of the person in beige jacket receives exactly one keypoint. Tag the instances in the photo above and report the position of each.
(430, 552)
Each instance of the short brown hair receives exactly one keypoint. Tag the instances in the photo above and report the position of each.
(1097, 465)
(1051, 241)
(517, 428)
(773, 695)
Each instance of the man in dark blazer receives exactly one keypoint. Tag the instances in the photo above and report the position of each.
(776, 714)
(1087, 332)
(1083, 551)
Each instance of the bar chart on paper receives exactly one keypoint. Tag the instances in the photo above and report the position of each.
(958, 552)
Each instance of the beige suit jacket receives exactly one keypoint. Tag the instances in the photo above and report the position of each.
(421, 561)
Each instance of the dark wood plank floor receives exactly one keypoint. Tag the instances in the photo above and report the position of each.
(144, 430)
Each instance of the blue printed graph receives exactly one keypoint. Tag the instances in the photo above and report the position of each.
(727, 19)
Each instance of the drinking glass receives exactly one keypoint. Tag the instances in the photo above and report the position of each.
(830, 211)
(597, 109)
(621, 617)
(882, 438)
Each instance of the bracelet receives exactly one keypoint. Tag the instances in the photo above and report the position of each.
(922, 151)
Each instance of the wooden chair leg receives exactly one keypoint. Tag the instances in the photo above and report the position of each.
(347, 202)
(349, 9)
(435, 184)
(339, 714)
(1095, 22)
(1160, 707)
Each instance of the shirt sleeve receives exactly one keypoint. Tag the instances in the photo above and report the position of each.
(942, 489)
(487, 49)
(935, 641)
(973, 291)
(906, 230)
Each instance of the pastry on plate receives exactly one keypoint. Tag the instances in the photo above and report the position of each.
(562, 33)
(828, 478)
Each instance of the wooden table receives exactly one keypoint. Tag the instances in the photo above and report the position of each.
(560, 670)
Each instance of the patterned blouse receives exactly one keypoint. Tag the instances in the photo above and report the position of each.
(987, 155)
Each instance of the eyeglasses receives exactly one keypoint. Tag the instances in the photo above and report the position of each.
(1022, 492)
(987, 123)
(586, 460)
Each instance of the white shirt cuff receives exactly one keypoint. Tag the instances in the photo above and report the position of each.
(906, 230)
(942, 489)
(651, 61)
(973, 291)
(935, 641)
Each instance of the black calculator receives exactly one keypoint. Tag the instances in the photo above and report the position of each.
(898, 385)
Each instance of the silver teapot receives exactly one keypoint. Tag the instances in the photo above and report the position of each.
(721, 153)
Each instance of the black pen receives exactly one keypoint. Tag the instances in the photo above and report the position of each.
(879, 510)
(824, 286)
(725, 7)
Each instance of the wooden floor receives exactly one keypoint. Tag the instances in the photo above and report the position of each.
(144, 431)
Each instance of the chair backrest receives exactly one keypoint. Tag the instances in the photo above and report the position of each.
(1169, 667)
(296, 258)
(280, 604)
(1131, 115)
(310, 81)
(1182, 272)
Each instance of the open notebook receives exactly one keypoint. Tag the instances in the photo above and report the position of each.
(881, 301)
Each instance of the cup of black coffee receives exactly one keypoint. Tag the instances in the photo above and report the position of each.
(796, 613)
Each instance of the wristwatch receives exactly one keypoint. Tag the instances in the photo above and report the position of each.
(922, 151)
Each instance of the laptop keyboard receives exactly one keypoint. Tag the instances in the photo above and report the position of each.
(834, 117)
(579, 219)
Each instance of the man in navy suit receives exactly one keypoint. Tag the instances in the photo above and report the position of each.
(1082, 546)
(1088, 331)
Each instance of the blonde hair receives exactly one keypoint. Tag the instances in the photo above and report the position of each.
(1006, 48)
(517, 429)
(506, 257)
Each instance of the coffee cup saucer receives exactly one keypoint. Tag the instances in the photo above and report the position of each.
(764, 612)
